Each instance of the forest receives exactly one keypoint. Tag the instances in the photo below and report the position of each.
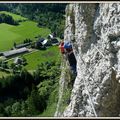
(7, 19)
(25, 94)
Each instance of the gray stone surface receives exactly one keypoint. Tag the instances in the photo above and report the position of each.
(94, 30)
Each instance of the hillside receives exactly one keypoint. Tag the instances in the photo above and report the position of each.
(29, 68)
(50, 15)
(25, 30)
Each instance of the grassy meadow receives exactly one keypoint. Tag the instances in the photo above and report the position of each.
(39, 56)
(10, 34)
(26, 29)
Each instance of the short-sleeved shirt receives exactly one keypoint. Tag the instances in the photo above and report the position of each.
(61, 46)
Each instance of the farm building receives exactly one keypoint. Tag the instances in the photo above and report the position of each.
(55, 41)
(15, 52)
(50, 36)
(46, 42)
(39, 43)
(22, 45)
(41, 39)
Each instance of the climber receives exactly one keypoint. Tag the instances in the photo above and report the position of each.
(61, 46)
(70, 56)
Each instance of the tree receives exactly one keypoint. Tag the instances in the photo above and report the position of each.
(22, 96)
(45, 14)
(34, 103)
(15, 44)
(4, 65)
(27, 78)
(24, 61)
(19, 67)
(13, 67)
(2, 112)
(7, 19)
(24, 109)
(16, 108)
(8, 110)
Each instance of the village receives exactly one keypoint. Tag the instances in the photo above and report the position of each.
(27, 47)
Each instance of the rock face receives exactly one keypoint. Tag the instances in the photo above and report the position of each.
(94, 31)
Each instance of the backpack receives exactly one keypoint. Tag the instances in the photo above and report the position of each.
(67, 45)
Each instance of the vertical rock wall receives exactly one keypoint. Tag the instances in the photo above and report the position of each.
(94, 31)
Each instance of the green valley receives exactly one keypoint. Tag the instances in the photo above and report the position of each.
(30, 58)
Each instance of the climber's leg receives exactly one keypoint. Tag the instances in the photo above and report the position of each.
(73, 68)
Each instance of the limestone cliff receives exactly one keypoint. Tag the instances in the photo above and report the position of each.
(94, 31)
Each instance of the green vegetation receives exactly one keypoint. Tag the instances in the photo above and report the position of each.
(7, 37)
(23, 94)
(14, 16)
(52, 102)
(30, 30)
(3, 74)
(10, 34)
(50, 15)
(30, 89)
(7, 19)
(39, 56)
(65, 99)
(68, 86)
